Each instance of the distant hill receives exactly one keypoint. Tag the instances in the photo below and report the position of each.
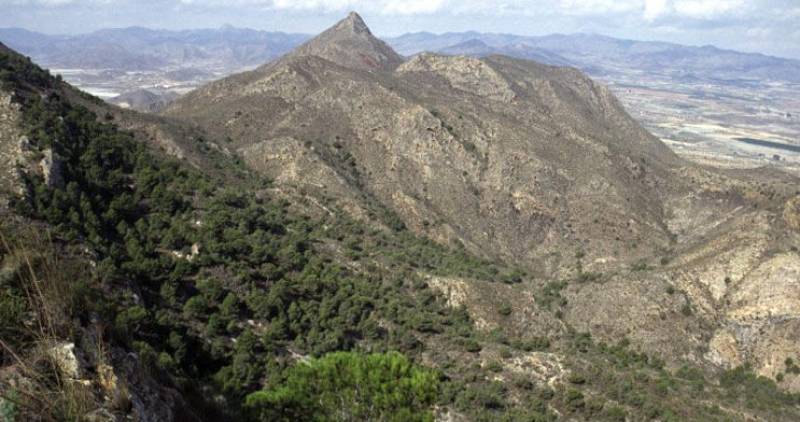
(478, 48)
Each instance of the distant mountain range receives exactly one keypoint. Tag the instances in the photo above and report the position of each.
(227, 49)
(136, 48)
(605, 56)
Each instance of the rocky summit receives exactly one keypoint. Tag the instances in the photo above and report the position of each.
(350, 43)
(425, 238)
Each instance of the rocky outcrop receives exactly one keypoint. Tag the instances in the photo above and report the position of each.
(52, 167)
(545, 368)
(12, 146)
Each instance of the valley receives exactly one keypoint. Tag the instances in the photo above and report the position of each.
(706, 122)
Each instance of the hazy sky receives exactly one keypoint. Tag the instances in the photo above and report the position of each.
(768, 26)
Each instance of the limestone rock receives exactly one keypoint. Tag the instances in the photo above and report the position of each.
(52, 168)
(547, 368)
(13, 145)
(724, 350)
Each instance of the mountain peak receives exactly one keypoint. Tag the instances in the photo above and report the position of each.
(353, 22)
(350, 43)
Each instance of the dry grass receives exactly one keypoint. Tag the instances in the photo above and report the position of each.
(33, 382)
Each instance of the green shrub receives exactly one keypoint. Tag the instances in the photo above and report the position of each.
(350, 386)
(531, 344)
(131, 320)
(589, 277)
(486, 396)
(195, 307)
(574, 400)
(494, 366)
(551, 294)
(471, 345)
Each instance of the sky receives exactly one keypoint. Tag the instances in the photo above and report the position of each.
(763, 26)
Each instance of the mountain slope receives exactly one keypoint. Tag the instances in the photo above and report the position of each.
(163, 285)
(533, 165)
(494, 153)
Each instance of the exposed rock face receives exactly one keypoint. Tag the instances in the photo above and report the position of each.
(546, 368)
(771, 290)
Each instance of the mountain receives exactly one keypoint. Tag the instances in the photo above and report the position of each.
(529, 164)
(348, 237)
(468, 151)
(603, 55)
